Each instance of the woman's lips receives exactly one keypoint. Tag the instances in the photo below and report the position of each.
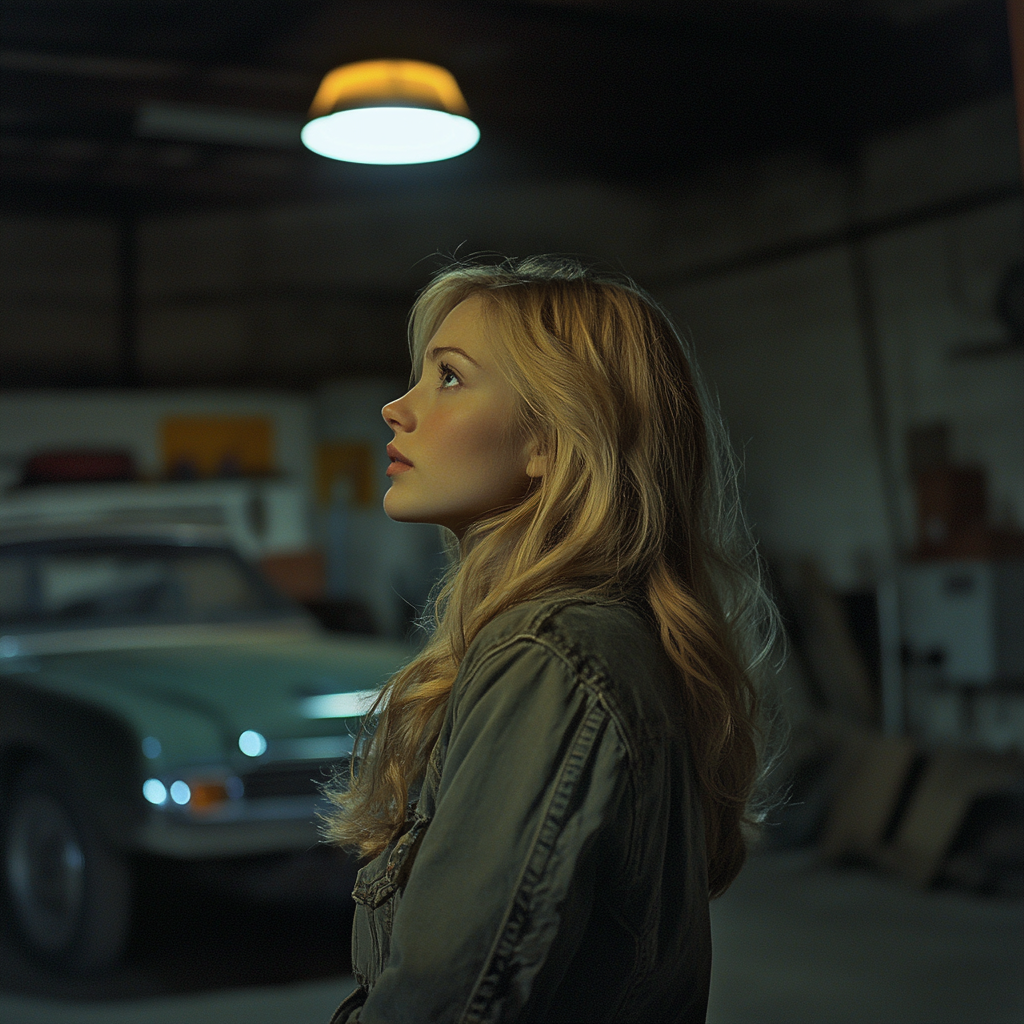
(394, 453)
(397, 467)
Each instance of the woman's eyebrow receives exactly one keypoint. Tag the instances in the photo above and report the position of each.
(435, 352)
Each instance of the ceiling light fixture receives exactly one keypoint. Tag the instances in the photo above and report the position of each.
(389, 112)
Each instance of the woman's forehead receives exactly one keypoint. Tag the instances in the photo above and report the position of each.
(469, 313)
(466, 326)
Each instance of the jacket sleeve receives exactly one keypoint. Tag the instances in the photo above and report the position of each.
(535, 768)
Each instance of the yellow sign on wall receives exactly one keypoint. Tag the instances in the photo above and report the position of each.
(351, 461)
(217, 446)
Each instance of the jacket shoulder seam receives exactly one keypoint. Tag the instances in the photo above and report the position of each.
(585, 670)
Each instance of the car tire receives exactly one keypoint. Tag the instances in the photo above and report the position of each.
(68, 894)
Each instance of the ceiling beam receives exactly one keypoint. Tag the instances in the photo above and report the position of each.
(120, 69)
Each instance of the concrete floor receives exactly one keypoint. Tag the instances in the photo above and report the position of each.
(799, 943)
(794, 942)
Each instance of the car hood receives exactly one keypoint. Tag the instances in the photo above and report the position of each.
(237, 681)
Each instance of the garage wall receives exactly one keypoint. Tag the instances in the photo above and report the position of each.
(785, 339)
(318, 291)
(780, 345)
(754, 262)
(33, 421)
(388, 566)
(58, 288)
(933, 288)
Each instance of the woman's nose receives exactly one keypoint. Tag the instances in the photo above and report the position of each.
(396, 415)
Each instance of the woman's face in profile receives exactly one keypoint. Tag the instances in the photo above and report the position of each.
(451, 426)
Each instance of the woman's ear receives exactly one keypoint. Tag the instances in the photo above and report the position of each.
(538, 463)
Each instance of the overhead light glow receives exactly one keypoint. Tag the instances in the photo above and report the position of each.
(390, 135)
(151, 747)
(389, 112)
(252, 743)
(338, 705)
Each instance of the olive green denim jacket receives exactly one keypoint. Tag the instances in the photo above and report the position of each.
(553, 867)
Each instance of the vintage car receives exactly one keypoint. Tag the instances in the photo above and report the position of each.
(157, 696)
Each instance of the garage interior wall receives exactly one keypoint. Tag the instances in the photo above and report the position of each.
(303, 294)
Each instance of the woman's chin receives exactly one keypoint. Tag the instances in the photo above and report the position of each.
(401, 512)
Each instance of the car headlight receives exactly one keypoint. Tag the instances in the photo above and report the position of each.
(197, 794)
(154, 791)
(252, 743)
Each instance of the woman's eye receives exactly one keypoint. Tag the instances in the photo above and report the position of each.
(445, 372)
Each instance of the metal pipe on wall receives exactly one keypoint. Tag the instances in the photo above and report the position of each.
(128, 297)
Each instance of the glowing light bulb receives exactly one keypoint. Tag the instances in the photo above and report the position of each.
(390, 135)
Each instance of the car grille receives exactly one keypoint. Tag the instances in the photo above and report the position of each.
(296, 778)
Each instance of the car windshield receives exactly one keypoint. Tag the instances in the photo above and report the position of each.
(102, 582)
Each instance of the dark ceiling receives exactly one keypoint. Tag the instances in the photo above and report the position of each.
(629, 92)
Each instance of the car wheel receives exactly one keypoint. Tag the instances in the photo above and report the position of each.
(68, 893)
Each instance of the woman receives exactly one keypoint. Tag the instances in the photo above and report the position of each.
(558, 783)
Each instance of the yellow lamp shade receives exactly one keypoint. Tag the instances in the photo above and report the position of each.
(389, 112)
(378, 83)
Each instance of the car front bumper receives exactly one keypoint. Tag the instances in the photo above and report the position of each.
(267, 825)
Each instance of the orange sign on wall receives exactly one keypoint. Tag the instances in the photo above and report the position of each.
(217, 446)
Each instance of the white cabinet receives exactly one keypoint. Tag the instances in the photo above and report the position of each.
(963, 640)
(966, 617)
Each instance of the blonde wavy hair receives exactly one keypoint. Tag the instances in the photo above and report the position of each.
(639, 500)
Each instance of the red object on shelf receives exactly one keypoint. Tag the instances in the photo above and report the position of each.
(950, 501)
(979, 543)
(951, 512)
(80, 466)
